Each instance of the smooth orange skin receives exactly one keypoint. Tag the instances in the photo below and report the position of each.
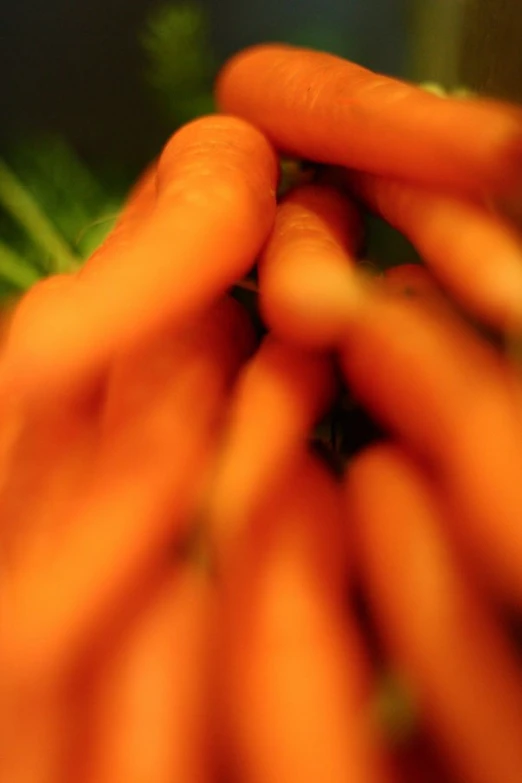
(472, 251)
(439, 629)
(280, 394)
(320, 107)
(450, 397)
(296, 682)
(307, 279)
(151, 697)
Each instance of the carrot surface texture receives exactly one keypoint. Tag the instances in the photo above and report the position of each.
(446, 393)
(296, 683)
(439, 628)
(472, 251)
(214, 206)
(307, 283)
(322, 108)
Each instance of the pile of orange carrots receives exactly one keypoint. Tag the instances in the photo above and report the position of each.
(188, 591)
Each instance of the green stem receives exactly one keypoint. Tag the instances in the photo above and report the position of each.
(15, 270)
(437, 42)
(20, 204)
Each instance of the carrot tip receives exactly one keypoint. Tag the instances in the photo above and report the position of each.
(320, 307)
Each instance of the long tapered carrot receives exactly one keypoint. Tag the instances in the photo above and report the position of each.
(447, 394)
(474, 253)
(296, 683)
(437, 624)
(322, 108)
(151, 693)
(215, 205)
(307, 285)
(280, 395)
(158, 439)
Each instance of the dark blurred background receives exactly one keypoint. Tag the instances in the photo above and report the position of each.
(90, 90)
(77, 67)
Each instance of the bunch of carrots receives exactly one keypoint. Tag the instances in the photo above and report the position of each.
(189, 591)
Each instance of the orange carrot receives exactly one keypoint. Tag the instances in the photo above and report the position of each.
(439, 628)
(418, 282)
(156, 441)
(412, 280)
(280, 395)
(138, 205)
(474, 253)
(151, 702)
(322, 108)
(306, 272)
(449, 396)
(215, 205)
(295, 679)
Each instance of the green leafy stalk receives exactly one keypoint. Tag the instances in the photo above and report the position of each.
(180, 64)
(15, 270)
(20, 204)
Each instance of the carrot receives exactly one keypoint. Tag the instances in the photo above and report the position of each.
(215, 205)
(46, 461)
(319, 107)
(156, 441)
(448, 395)
(34, 737)
(306, 272)
(418, 282)
(435, 621)
(151, 700)
(412, 280)
(474, 253)
(87, 548)
(296, 681)
(280, 395)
